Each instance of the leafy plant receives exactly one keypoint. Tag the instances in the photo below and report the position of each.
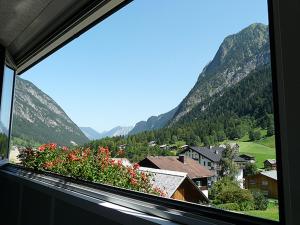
(260, 201)
(85, 164)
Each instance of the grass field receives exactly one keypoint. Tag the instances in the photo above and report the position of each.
(272, 213)
(267, 141)
(259, 151)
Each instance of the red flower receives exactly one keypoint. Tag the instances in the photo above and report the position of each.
(136, 166)
(52, 146)
(133, 181)
(73, 157)
(119, 163)
(65, 148)
(86, 153)
(48, 165)
(42, 148)
(144, 176)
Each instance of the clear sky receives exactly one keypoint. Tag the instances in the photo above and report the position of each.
(141, 61)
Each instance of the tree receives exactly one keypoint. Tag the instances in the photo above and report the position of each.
(227, 191)
(254, 135)
(260, 201)
(221, 136)
(250, 169)
(228, 167)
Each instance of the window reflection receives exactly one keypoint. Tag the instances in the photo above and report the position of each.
(5, 111)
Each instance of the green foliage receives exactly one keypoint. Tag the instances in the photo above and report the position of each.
(227, 191)
(3, 145)
(23, 142)
(246, 205)
(228, 167)
(229, 206)
(254, 135)
(260, 201)
(270, 125)
(82, 163)
(259, 151)
(271, 213)
(44, 113)
(250, 169)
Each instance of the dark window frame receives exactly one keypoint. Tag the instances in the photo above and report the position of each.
(280, 15)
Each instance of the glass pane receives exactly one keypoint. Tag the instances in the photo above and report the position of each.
(6, 101)
(172, 98)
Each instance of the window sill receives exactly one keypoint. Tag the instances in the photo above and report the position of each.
(126, 205)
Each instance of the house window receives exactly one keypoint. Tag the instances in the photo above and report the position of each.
(252, 182)
(264, 183)
(209, 163)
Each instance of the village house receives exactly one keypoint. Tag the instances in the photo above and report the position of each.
(270, 164)
(197, 173)
(210, 158)
(248, 158)
(266, 182)
(175, 185)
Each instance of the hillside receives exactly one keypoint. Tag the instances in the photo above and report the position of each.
(238, 55)
(233, 95)
(153, 123)
(90, 133)
(38, 118)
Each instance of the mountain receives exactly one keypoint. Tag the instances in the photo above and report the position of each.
(238, 55)
(116, 131)
(251, 98)
(90, 133)
(38, 117)
(153, 123)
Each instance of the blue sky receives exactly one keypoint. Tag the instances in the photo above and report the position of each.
(141, 61)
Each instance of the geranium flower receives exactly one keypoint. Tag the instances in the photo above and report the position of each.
(133, 181)
(42, 148)
(48, 165)
(73, 157)
(136, 166)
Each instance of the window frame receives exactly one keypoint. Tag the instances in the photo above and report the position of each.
(178, 211)
(279, 16)
(4, 64)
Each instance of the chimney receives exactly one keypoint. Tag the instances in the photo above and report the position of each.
(181, 158)
(216, 151)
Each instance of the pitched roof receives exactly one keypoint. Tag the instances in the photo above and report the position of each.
(166, 180)
(271, 174)
(271, 161)
(214, 153)
(190, 166)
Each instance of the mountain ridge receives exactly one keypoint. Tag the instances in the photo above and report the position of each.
(237, 56)
(36, 116)
(92, 134)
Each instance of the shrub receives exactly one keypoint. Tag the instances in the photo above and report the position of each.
(229, 206)
(82, 163)
(250, 169)
(227, 191)
(260, 201)
(254, 135)
(246, 205)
